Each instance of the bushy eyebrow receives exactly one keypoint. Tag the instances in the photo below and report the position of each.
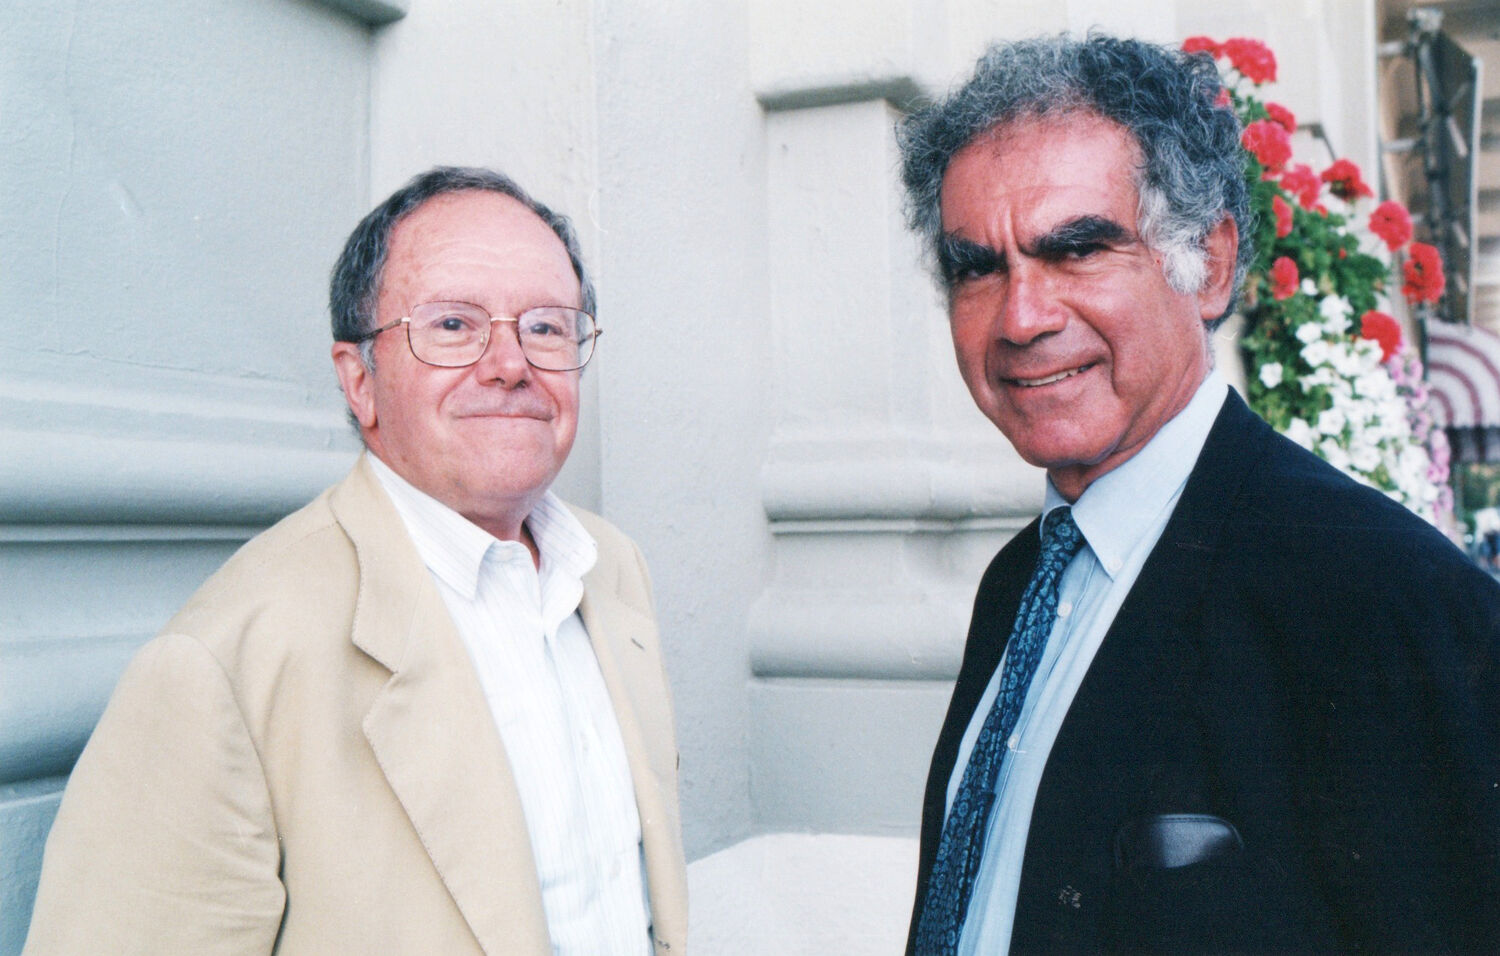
(958, 257)
(1079, 235)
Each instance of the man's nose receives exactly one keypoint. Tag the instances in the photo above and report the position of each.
(1030, 306)
(503, 360)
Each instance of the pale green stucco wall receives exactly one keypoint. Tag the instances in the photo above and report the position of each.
(176, 178)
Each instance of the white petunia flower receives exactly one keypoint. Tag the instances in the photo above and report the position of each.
(1346, 361)
(1321, 377)
(1315, 353)
(1331, 421)
(1300, 432)
(1308, 332)
(1334, 454)
(1270, 374)
(1334, 305)
(1365, 457)
(1376, 385)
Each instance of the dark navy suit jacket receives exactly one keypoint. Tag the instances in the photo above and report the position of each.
(1303, 660)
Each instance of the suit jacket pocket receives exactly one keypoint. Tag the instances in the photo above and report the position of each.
(1170, 841)
(1181, 884)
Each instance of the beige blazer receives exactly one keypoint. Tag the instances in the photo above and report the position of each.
(303, 762)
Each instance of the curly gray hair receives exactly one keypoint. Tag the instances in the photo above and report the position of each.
(1192, 171)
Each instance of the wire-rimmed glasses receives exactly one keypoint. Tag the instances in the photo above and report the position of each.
(455, 334)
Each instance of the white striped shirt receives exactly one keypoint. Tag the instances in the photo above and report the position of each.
(543, 685)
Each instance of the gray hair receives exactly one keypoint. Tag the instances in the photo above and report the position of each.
(355, 284)
(1192, 172)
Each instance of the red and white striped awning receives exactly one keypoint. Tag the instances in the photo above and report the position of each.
(1463, 368)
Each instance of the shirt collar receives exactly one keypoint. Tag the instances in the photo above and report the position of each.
(561, 540)
(454, 548)
(1121, 506)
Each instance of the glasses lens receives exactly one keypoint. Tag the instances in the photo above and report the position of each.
(448, 333)
(555, 338)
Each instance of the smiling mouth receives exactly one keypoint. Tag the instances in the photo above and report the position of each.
(1049, 379)
(537, 413)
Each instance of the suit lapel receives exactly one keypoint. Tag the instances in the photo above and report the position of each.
(1164, 608)
(1167, 598)
(432, 734)
(621, 637)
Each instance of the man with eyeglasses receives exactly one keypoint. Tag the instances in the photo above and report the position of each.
(427, 712)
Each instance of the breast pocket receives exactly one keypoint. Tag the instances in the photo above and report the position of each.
(1181, 883)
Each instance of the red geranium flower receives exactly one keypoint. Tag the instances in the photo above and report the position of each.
(1284, 278)
(1392, 223)
(1345, 180)
(1200, 45)
(1252, 58)
(1303, 183)
(1381, 328)
(1269, 142)
(1424, 274)
(1283, 217)
(1282, 115)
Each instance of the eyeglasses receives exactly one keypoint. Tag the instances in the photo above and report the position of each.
(455, 334)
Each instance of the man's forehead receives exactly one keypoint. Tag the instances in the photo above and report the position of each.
(1045, 171)
(468, 211)
(477, 233)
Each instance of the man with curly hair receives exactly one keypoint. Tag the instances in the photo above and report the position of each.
(1219, 698)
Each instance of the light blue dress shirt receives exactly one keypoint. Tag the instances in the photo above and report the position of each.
(1121, 515)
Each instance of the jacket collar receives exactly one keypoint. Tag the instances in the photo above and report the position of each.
(432, 734)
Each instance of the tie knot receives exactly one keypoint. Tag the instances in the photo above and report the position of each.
(1061, 538)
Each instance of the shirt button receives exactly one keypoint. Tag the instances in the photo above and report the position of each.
(1065, 608)
(1014, 741)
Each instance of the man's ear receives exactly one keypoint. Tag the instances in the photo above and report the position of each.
(1222, 246)
(357, 382)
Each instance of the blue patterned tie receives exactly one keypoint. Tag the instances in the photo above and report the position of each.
(962, 844)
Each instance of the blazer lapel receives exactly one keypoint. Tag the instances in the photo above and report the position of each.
(432, 734)
(622, 638)
(1161, 618)
(1166, 602)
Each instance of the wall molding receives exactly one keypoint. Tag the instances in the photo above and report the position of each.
(44, 731)
(918, 491)
(227, 453)
(124, 533)
(901, 91)
(847, 481)
(824, 634)
(881, 533)
(374, 12)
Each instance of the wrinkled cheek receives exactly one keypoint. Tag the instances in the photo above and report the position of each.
(974, 366)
